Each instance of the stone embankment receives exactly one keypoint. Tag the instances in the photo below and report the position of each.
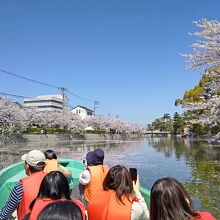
(64, 137)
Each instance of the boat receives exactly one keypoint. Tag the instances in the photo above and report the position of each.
(10, 175)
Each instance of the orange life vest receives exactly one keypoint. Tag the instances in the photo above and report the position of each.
(40, 203)
(51, 165)
(31, 185)
(104, 206)
(203, 216)
(97, 175)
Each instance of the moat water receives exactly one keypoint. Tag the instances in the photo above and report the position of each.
(195, 164)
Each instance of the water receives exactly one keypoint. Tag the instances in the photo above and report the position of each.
(193, 163)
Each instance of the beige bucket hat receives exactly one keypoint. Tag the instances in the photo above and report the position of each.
(34, 157)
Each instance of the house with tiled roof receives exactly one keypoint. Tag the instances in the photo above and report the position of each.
(82, 111)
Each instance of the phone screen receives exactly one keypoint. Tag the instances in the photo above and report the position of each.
(133, 172)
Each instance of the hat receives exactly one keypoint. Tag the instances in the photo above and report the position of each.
(90, 158)
(99, 153)
(34, 157)
(95, 157)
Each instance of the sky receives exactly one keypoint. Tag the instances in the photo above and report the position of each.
(123, 53)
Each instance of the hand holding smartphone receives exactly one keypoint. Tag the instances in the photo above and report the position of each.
(135, 179)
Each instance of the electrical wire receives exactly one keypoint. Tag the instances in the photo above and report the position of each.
(45, 84)
(108, 112)
(80, 97)
(13, 95)
(25, 78)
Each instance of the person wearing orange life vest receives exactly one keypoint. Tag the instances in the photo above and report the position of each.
(27, 188)
(52, 164)
(92, 178)
(54, 187)
(169, 200)
(116, 200)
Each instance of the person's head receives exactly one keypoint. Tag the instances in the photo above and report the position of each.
(169, 200)
(118, 179)
(34, 161)
(62, 210)
(50, 154)
(95, 157)
(55, 186)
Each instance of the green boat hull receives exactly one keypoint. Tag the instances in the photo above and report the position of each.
(10, 175)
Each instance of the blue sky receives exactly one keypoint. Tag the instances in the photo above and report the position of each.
(123, 53)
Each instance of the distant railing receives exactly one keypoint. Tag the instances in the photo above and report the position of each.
(155, 133)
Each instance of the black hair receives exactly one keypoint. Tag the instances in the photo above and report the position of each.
(62, 210)
(54, 186)
(27, 216)
(118, 179)
(50, 154)
(39, 167)
(170, 201)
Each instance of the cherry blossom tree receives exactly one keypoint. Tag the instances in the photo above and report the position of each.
(204, 100)
(206, 52)
(12, 117)
(16, 118)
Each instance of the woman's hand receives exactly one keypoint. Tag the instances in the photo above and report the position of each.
(136, 186)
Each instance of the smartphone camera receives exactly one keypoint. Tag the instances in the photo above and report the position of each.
(133, 173)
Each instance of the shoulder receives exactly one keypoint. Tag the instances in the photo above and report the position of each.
(136, 210)
(139, 209)
(204, 216)
(17, 190)
(106, 167)
(84, 177)
(86, 172)
(18, 186)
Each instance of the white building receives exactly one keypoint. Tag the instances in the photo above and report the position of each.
(47, 102)
(82, 111)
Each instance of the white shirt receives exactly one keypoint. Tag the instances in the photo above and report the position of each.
(84, 177)
(139, 210)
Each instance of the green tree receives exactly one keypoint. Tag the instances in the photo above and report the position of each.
(164, 123)
(178, 123)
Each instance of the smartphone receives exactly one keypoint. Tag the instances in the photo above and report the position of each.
(84, 161)
(133, 173)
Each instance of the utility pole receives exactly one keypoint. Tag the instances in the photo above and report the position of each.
(64, 103)
(95, 107)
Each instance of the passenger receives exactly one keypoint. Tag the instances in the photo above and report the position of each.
(116, 200)
(170, 201)
(54, 187)
(92, 178)
(52, 164)
(62, 210)
(27, 188)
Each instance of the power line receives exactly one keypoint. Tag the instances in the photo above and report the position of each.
(80, 97)
(108, 112)
(31, 80)
(13, 95)
(45, 84)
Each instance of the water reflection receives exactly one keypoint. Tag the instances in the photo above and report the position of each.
(204, 160)
(193, 163)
